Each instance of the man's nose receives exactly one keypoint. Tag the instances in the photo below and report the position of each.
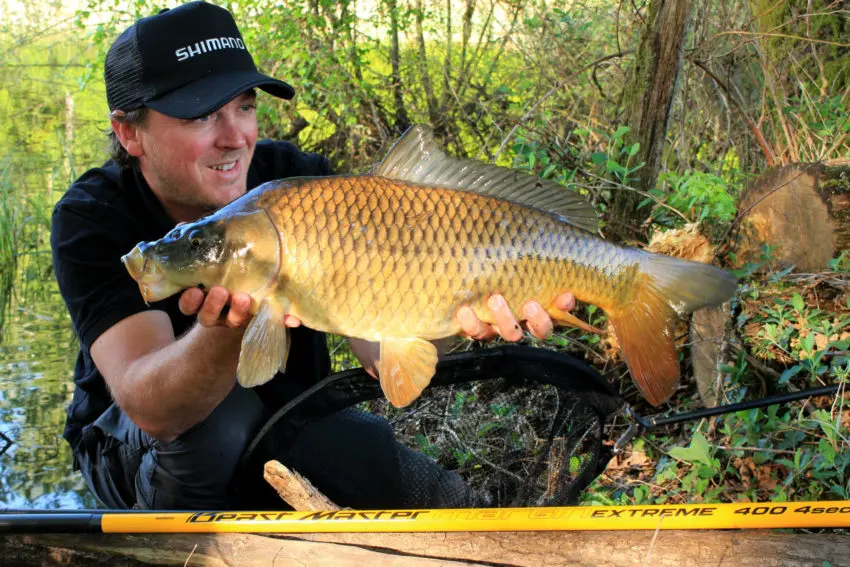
(232, 131)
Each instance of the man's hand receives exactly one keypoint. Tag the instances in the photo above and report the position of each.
(209, 308)
(537, 319)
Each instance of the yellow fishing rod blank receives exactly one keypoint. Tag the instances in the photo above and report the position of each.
(827, 514)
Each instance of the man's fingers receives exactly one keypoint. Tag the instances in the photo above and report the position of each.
(566, 301)
(291, 321)
(239, 312)
(472, 326)
(212, 307)
(190, 301)
(537, 320)
(504, 319)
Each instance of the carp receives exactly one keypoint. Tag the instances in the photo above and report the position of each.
(390, 256)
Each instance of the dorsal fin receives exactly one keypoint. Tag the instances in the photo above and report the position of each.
(415, 158)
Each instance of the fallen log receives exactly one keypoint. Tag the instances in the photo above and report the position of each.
(801, 211)
(532, 549)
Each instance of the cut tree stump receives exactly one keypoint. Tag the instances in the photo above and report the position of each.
(801, 210)
(532, 549)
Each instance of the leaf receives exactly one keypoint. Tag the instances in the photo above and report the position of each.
(598, 158)
(790, 373)
(621, 131)
(808, 343)
(798, 303)
(827, 451)
(697, 452)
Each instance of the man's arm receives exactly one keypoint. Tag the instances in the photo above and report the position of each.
(167, 384)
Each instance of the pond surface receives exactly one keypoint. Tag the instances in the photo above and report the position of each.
(38, 349)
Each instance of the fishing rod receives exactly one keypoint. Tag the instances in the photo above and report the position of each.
(640, 424)
(824, 514)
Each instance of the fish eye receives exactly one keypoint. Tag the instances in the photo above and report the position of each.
(195, 239)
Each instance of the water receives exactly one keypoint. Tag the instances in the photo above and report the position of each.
(37, 354)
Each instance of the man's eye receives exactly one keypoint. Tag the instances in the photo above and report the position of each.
(249, 107)
(204, 118)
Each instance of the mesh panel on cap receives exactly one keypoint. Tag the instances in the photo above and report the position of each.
(125, 87)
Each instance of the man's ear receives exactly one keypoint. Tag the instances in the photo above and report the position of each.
(129, 136)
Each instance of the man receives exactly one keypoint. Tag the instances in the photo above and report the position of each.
(157, 420)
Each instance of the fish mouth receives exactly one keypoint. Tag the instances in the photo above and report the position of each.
(152, 280)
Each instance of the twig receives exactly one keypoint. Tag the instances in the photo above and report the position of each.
(756, 130)
(658, 201)
(756, 449)
(466, 446)
(551, 91)
(185, 563)
(788, 36)
(296, 490)
(652, 543)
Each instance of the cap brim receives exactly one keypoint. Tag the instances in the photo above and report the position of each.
(209, 94)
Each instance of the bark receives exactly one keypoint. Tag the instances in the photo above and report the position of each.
(296, 490)
(447, 68)
(463, 77)
(425, 75)
(648, 100)
(533, 549)
(402, 120)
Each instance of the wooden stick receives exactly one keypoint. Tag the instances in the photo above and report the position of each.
(296, 490)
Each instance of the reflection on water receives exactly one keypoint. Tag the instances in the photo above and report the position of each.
(37, 354)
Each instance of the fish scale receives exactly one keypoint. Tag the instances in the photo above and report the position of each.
(396, 259)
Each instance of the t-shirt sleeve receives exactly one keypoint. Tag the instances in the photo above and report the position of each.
(87, 240)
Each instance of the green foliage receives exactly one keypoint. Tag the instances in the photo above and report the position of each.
(699, 196)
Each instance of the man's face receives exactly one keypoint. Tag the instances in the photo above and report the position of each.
(196, 166)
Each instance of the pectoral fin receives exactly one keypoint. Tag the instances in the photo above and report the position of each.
(406, 366)
(265, 346)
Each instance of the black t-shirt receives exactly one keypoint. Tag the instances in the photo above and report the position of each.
(101, 217)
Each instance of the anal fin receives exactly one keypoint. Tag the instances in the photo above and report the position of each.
(265, 346)
(406, 367)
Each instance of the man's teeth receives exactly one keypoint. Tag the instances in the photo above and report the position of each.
(225, 167)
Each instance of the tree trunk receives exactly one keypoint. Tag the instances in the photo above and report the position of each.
(532, 549)
(648, 100)
(424, 73)
(402, 121)
(802, 212)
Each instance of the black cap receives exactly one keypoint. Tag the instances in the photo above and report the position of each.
(185, 62)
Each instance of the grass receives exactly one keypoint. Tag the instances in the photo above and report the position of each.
(9, 237)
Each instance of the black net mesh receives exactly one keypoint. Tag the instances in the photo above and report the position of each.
(509, 426)
(517, 443)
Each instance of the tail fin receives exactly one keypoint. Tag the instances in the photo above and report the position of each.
(644, 326)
